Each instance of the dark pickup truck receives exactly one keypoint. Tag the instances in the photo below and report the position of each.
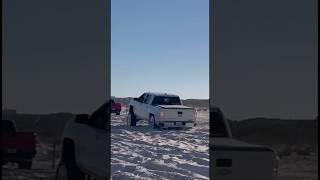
(17, 147)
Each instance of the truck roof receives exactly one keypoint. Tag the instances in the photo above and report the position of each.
(162, 94)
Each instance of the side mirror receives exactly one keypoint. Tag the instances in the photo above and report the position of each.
(82, 118)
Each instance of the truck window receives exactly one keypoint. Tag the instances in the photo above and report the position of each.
(217, 125)
(146, 99)
(165, 100)
(141, 98)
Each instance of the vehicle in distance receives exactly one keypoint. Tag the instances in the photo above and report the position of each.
(116, 107)
(233, 159)
(162, 110)
(17, 147)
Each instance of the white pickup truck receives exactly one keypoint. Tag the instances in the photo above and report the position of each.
(85, 152)
(232, 159)
(161, 110)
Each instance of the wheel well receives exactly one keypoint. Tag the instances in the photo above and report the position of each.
(68, 150)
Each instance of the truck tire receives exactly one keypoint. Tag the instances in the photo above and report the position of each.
(153, 121)
(66, 171)
(132, 121)
(67, 168)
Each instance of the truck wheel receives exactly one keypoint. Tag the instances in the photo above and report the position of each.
(132, 121)
(62, 172)
(67, 168)
(66, 171)
(152, 121)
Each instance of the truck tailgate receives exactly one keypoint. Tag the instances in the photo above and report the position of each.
(116, 106)
(178, 113)
(239, 160)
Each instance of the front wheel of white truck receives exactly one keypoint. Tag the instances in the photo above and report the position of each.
(67, 168)
(131, 119)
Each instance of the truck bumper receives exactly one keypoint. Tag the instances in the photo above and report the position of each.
(115, 111)
(177, 124)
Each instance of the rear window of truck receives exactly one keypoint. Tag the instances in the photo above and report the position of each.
(165, 100)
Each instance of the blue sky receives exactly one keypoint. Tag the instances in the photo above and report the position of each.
(160, 46)
(265, 63)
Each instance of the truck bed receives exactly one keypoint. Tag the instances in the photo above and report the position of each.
(234, 159)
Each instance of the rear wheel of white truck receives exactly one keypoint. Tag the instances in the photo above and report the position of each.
(152, 122)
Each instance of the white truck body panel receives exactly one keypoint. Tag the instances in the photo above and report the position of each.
(89, 151)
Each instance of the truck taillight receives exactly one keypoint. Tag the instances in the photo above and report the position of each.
(161, 114)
